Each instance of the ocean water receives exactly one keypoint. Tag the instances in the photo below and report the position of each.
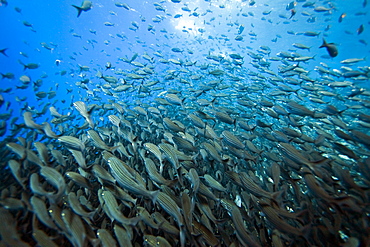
(234, 55)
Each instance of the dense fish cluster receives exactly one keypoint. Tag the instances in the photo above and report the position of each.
(167, 147)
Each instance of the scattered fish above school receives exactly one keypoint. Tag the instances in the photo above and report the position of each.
(188, 126)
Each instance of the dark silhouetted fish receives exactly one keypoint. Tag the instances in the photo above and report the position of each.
(330, 47)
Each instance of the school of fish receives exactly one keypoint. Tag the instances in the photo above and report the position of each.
(234, 148)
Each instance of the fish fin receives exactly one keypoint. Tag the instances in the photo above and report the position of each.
(154, 195)
(172, 183)
(324, 44)
(182, 235)
(91, 110)
(114, 148)
(306, 231)
(78, 9)
(180, 176)
(2, 51)
(135, 220)
(24, 66)
(321, 162)
(99, 74)
(277, 196)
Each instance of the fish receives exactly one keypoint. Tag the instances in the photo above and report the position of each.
(53, 177)
(75, 226)
(29, 65)
(7, 75)
(42, 238)
(330, 47)
(341, 17)
(174, 126)
(103, 174)
(322, 9)
(109, 24)
(301, 46)
(40, 210)
(123, 5)
(128, 182)
(360, 29)
(297, 109)
(155, 175)
(293, 12)
(4, 2)
(106, 238)
(151, 240)
(28, 119)
(232, 140)
(311, 34)
(213, 183)
(94, 136)
(111, 207)
(293, 154)
(352, 60)
(241, 29)
(172, 209)
(85, 6)
(15, 167)
(280, 223)
(72, 142)
(77, 207)
(240, 229)
(82, 109)
(122, 235)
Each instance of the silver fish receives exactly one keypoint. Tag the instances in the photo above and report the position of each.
(129, 183)
(106, 238)
(72, 142)
(112, 206)
(40, 210)
(240, 228)
(76, 206)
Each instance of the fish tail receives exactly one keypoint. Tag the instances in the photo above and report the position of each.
(306, 230)
(182, 235)
(135, 220)
(324, 44)
(99, 74)
(24, 66)
(3, 52)
(213, 101)
(277, 196)
(323, 161)
(78, 9)
(112, 149)
(179, 176)
(172, 183)
(154, 195)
